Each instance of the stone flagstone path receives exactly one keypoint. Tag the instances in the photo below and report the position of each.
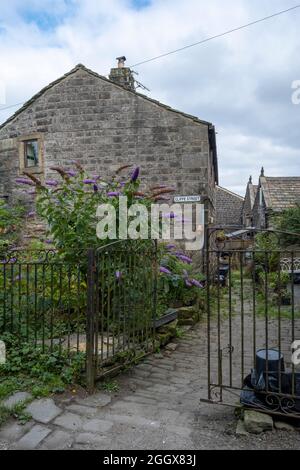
(157, 407)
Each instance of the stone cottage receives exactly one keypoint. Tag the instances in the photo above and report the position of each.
(274, 195)
(104, 123)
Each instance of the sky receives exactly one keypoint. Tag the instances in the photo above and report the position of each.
(242, 82)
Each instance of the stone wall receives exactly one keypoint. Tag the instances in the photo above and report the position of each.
(104, 126)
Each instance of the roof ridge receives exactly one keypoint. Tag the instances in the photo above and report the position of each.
(231, 192)
(282, 177)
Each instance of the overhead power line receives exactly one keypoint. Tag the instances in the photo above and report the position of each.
(11, 106)
(230, 31)
(203, 41)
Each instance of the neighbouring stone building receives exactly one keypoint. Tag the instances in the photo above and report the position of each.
(229, 207)
(273, 195)
(247, 209)
(104, 123)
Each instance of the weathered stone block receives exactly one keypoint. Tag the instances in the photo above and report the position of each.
(186, 321)
(171, 346)
(256, 423)
(12, 430)
(164, 338)
(282, 426)
(33, 438)
(241, 429)
(58, 440)
(43, 410)
(97, 425)
(69, 421)
(186, 312)
(169, 328)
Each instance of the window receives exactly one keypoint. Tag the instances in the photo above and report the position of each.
(31, 153)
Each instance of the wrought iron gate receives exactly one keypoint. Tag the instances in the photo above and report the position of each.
(121, 306)
(253, 315)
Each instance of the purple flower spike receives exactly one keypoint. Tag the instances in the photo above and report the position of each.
(170, 247)
(118, 275)
(164, 270)
(72, 173)
(24, 181)
(135, 174)
(197, 283)
(89, 181)
(113, 194)
(49, 242)
(188, 283)
(51, 183)
(95, 187)
(185, 259)
(96, 177)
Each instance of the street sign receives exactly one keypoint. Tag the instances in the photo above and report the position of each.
(181, 199)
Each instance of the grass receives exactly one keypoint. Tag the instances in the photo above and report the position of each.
(18, 412)
(41, 372)
(179, 332)
(110, 386)
(36, 387)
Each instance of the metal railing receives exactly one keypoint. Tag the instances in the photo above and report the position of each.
(122, 292)
(103, 306)
(253, 321)
(43, 300)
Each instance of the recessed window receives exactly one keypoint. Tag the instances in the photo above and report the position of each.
(31, 153)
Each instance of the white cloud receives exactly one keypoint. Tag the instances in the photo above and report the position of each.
(241, 82)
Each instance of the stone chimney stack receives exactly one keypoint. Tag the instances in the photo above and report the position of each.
(122, 75)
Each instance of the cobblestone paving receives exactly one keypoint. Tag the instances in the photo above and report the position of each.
(158, 407)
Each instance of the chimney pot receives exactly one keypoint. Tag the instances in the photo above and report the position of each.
(122, 75)
(121, 61)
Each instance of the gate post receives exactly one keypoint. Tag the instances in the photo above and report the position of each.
(90, 321)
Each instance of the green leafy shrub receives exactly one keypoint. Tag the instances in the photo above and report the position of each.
(69, 208)
(267, 254)
(289, 221)
(29, 365)
(178, 284)
(10, 224)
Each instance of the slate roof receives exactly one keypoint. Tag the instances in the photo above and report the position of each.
(228, 207)
(253, 191)
(211, 127)
(280, 192)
